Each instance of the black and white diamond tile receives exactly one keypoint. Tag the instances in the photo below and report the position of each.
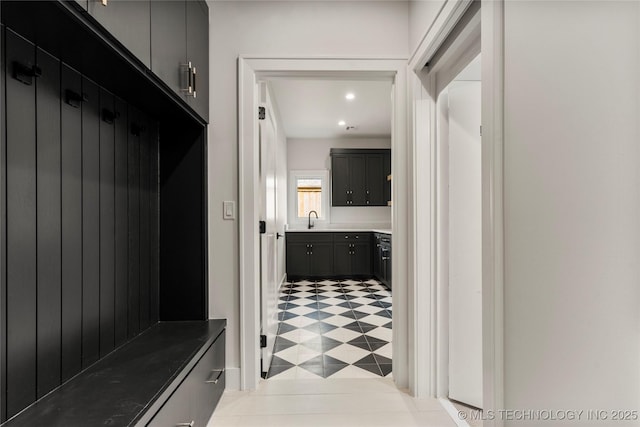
(333, 329)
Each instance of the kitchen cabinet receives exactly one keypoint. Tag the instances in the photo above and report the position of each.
(382, 258)
(309, 254)
(180, 49)
(352, 254)
(129, 21)
(358, 177)
(327, 254)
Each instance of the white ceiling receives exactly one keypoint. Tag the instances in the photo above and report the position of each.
(313, 108)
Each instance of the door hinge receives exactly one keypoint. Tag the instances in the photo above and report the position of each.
(263, 227)
(263, 341)
(262, 113)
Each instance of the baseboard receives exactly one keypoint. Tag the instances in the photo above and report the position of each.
(232, 379)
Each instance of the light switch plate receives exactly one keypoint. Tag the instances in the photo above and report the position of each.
(228, 210)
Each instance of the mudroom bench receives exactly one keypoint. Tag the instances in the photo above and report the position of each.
(170, 375)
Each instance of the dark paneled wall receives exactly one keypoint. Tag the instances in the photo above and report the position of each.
(79, 227)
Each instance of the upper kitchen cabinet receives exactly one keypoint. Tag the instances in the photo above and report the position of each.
(359, 177)
(129, 21)
(180, 49)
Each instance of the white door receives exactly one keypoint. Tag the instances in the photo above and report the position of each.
(268, 249)
(465, 243)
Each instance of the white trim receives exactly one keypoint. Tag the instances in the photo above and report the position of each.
(250, 70)
(292, 199)
(425, 275)
(446, 20)
(453, 412)
(493, 207)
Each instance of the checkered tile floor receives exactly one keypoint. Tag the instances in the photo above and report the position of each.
(333, 329)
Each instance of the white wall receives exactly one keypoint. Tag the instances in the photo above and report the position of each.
(313, 154)
(270, 28)
(572, 206)
(422, 13)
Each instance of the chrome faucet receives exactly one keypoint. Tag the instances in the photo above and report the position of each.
(310, 212)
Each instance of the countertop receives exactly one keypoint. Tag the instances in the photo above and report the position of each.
(341, 230)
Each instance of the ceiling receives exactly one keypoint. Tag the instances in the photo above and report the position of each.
(313, 108)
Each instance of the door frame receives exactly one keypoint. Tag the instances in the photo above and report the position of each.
(428, 236)
(252, 69)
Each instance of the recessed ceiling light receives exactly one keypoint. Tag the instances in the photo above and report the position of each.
(342, 123)
(350, 96)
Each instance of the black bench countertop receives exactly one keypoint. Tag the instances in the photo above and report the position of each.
(116, 390)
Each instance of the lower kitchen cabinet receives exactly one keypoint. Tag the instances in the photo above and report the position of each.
(328, 254)
(309, 254)
(385, 260)
(352, 254)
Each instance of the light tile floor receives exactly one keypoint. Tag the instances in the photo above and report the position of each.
(333, 402)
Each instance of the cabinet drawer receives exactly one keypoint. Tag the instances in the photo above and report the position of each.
(351, 237)
(309, 237)
(193, 402)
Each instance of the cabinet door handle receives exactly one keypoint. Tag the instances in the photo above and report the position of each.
(193, 80)
(384, 258)
(189, 88)
(211, 380)
(191, 424)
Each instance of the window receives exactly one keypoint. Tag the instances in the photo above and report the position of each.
(309, 191)
(309, 194)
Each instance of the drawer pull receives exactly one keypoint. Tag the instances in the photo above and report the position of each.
(191, 424)
(214, 372)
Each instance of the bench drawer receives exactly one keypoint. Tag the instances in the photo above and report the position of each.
(193, 402)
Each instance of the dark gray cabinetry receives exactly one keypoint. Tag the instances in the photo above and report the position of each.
(96, 192)
(340, 183)
(129, 21)
(198, 55)
(309, 254)
(382, 258)
(359, 177)
(352, 254)
(327, 254)
(169, 42)
(193, 400)
(179, 49)
(172, 375)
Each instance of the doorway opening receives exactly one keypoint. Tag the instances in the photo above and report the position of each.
(451, 100)
(459, 146)
(255, 77)
(331, 314)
